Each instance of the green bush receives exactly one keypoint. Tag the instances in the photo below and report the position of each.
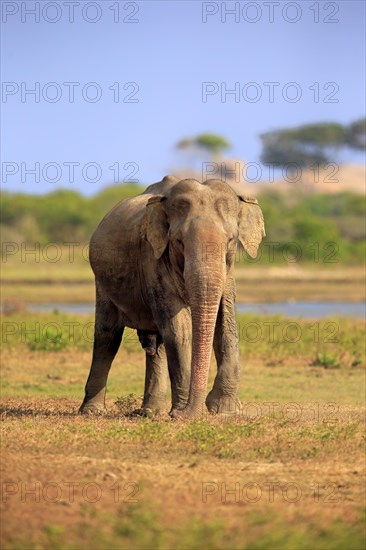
(307, 220)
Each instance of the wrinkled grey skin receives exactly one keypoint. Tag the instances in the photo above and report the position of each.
(163, 262)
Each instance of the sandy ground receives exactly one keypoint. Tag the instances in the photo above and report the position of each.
(68, 481)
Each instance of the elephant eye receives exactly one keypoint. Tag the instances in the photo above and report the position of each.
(180, 244)
(181, 205)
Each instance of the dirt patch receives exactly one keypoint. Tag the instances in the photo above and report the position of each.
(84, 482)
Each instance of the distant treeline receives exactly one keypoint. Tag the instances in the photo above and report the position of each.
(320, 228)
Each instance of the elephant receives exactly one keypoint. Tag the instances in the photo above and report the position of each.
(148, 340)
(164, 264)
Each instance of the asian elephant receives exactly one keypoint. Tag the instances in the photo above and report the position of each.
(163, 264)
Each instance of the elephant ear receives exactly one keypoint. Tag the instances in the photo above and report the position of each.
(155, 225)
(251, 225)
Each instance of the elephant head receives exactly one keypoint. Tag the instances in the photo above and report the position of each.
(198, 226)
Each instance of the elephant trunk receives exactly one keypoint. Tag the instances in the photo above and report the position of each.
(205, 280)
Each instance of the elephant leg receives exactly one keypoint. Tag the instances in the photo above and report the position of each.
(156, 381)
(107, 338)
(176, 336)
(223, 396)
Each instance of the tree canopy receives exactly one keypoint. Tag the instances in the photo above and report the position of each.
(356, 134)
(211, 143)
(311, 143)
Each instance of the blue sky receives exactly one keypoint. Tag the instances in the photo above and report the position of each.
(168, 53)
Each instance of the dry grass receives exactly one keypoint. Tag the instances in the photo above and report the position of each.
(287, 473)
(72, 482)
(254, 284)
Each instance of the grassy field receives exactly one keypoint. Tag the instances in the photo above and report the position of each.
(286, 473)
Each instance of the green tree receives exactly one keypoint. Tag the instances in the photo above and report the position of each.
(212, 144)
(356, 134)
(306, 145)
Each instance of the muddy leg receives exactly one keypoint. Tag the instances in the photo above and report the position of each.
(176, 336)
(107, 338)
(156, 382)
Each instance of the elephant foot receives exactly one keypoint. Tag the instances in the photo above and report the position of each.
(151, 409)
(188, 414)
(225, 405)
(194, 410)
(147, 412)
(94, 409)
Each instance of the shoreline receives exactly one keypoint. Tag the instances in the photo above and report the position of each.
(253, 285)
